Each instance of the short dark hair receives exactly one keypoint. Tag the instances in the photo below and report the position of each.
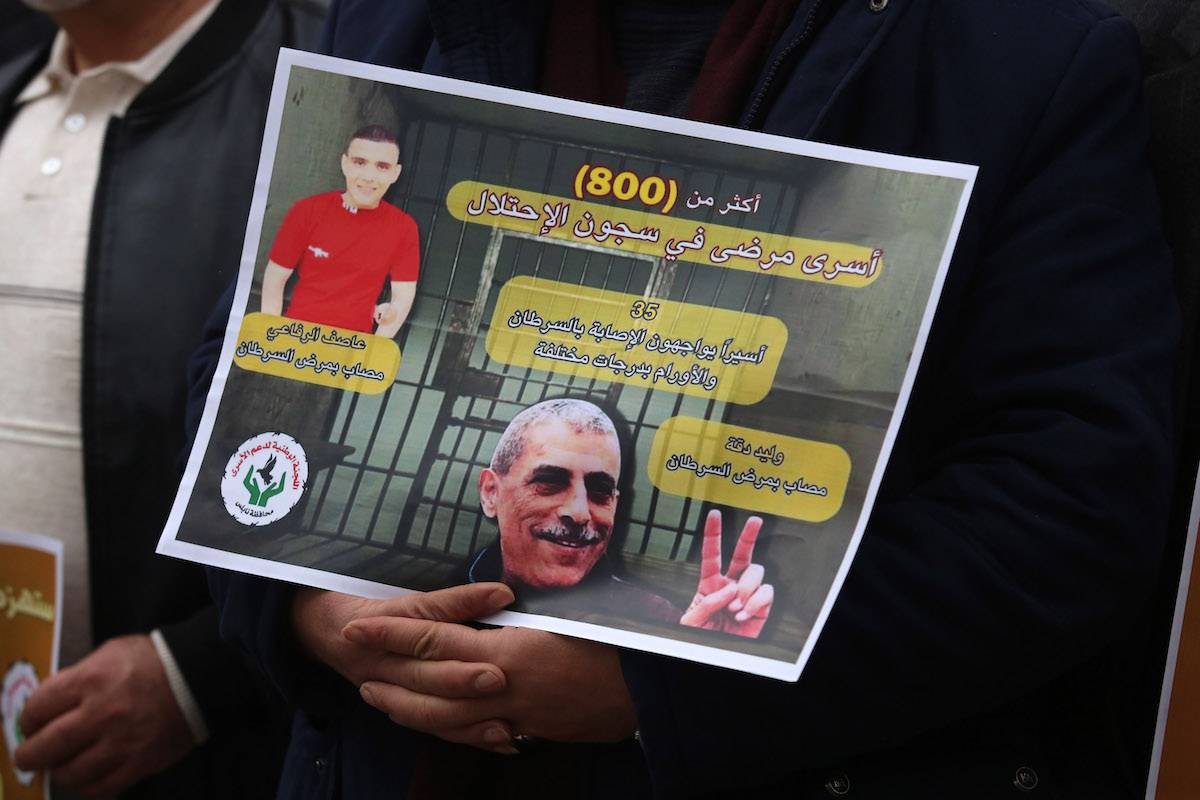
(374, 133)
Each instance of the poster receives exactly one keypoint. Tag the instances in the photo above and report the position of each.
(30, 628)
(645, 370)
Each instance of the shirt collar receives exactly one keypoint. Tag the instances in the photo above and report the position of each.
(56, 76)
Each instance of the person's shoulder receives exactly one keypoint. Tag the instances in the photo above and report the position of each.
(1032, 30)
(313, 207)
(1042, 43)
(398, 216)
(306, 9)
(25, 37)
(1082, 12)
(320, 200)
(305, 20)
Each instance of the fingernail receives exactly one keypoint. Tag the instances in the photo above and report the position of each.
(355, 634)
(487, 682)
(365, 691)
(742, 616)
(736, 605)
(501, 597)
(497, 736)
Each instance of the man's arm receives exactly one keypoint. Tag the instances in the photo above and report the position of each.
(1021, 519)
(113, 718)
(105, 722)
(392, 315)
(274, 280)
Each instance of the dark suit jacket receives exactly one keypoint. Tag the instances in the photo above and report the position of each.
(1170, 35)
(975, 647)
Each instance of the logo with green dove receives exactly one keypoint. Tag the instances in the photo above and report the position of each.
(264, 478)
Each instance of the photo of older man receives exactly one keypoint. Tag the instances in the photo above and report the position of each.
(552, 488)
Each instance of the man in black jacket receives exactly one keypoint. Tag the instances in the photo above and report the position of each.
(128, 153)
(1019, 525)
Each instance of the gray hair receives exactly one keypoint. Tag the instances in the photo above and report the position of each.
(580, 415)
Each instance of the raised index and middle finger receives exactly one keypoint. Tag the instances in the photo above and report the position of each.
(743, 552)
(710, 550)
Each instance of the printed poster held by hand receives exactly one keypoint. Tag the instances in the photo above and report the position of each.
(597, 354)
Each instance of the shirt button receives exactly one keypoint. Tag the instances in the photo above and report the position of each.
(52, 166)
(838, 785)
(1025, 779)
(74, 123)
(319, 765)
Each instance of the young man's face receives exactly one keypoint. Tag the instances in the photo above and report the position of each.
(555, 506)
(370, 168)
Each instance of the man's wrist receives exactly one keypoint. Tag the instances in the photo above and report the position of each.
(180, 689)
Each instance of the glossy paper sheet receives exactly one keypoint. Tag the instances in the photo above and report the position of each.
(645, 370)
(30, 629)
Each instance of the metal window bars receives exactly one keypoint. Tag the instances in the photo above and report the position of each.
(408, 484)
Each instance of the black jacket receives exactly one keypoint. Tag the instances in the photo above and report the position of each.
(168, 215)
(1170, 34)
(975, 649)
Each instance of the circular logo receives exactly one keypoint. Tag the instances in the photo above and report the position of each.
(19, 683)
(264, 478)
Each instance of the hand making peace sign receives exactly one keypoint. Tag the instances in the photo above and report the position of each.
(737, 601)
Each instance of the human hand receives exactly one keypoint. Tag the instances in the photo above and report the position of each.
(319, 616)
(557, 688)
(104, 723)
(387, 319)
(737, 602)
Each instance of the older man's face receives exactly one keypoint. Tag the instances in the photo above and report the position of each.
(555, 506)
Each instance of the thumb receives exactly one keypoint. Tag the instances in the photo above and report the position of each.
(700, 611)
(456, 604)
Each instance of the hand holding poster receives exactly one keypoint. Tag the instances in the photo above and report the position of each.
(646, 371)
(30, 596)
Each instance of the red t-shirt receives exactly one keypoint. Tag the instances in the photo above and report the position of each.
(343, 257)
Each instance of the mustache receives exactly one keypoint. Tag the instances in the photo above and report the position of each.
(569, 534)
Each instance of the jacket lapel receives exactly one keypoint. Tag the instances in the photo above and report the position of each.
(14, 75)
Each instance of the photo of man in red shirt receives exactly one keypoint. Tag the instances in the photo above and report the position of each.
(343, 245)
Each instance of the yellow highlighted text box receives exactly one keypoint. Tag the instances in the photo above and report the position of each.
(636, 231)
(762, 472)
(596, 334)
(303, 351)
